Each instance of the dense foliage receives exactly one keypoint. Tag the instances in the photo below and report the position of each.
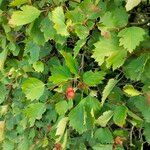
(74, 74)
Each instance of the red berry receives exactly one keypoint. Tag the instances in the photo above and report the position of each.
(70, 89)
(70, 93)
(49, 128)
(105, 34)
(58, 146)
(118, 140)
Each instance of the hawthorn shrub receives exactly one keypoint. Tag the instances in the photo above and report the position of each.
(74, 74)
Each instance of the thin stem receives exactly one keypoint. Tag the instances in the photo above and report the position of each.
(131, 144)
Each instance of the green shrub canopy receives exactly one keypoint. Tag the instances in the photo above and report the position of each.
(74, 74)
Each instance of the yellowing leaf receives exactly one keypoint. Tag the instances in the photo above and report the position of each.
(58, 18)
(108, 88)
(61, 127)
(27, 15)
(3, 109)
(131, 91)
(18, 2)
(2, 125)
(131, 4)
(38, 66)
(104, 118)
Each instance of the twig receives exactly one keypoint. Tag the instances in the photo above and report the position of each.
(140, 23)
(131, 144)
(82, 63)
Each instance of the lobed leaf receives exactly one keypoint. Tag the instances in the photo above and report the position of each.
(58, 19)
(33, 88)
(131, 37)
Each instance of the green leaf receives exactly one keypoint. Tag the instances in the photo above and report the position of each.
(61, 107)
(14, 49)
(3, 93)
(35, 32)
(47, 28)
(61, 128)
(145, 78)
(104, 48)
(104, 136)
(102, 147)
(59, 74)
(140, 103)
(147, 132)
(116, 95)
(38, 66)
(115, 19)
(24, 143)
(18, 2)
(108, 50)
(70, 62)
(27, 15)
(117, 59)
(93, 78)
(8, 145)
(81, 117)
(33, 88)
(131, 91)
(134, 116)
(104, 118)
(3, 56)
(131, 37)
(84, 33)
(77, 118)
(34, 51)
(1, 2)
(120, 115)
(92, 103)
(131, 4)
(108, 88)
(133, 70)
(34, 111)
(79, 45)
(58, 18)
